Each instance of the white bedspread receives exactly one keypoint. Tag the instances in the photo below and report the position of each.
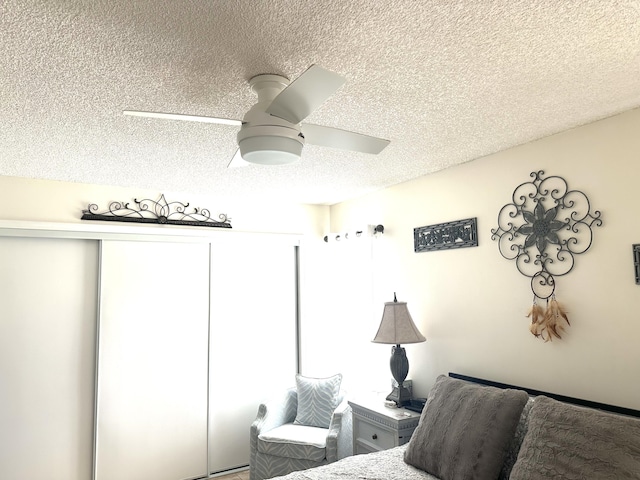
(384, 465)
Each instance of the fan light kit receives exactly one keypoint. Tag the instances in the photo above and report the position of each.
(271, 132)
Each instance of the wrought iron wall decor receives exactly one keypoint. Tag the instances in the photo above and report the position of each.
(636, 261)
(156, 211)
(543, 229)
(444, 236)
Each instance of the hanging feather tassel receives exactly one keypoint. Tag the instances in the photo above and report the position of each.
(537, 315)
(547, 324)
(552, 319)
(559, 310)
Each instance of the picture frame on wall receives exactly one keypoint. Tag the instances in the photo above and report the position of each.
(636, 261)
(446, 236)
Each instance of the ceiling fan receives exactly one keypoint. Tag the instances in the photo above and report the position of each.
(271, 132)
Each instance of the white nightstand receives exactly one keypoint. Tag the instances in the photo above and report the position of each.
(376, 427)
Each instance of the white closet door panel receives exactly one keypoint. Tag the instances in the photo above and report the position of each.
(253, 341)
(47, 357)
(152, 391)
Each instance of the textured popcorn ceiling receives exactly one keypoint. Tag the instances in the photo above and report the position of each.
(446, 81)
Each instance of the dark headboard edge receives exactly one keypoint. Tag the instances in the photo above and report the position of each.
(561, 398)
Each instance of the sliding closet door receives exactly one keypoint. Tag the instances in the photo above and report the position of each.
(253, 340)
(47, 357)
(152, 373)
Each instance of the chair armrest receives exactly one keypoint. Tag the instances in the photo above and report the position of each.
(339, 439)
(271, 414)
(277, 411)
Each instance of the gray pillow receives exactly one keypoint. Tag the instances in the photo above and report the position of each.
(465, 430)
(317, 399)
(518, 437)
(571, 442)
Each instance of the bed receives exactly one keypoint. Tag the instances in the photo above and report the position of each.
(578, 438)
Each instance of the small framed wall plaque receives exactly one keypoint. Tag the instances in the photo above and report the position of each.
(636, 261)
(445, 236)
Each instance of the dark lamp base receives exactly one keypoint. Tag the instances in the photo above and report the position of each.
(400, 395)
(399, 369)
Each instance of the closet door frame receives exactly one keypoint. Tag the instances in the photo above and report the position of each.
(99, 231)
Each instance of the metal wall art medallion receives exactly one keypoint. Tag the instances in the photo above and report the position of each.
(156, 211)
(543, 229)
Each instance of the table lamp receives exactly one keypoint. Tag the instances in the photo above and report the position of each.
(397, 327)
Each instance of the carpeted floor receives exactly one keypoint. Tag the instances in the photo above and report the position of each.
(244, 475)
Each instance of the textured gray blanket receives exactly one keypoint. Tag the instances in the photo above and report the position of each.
(385, 465)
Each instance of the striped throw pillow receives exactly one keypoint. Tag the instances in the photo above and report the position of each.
(317, 399)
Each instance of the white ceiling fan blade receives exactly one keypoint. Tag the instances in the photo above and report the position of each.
(305, 94)
(179, 116)
(336, 138)
(237, 161)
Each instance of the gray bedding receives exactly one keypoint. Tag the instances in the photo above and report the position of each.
(384, 465)
(552, 440)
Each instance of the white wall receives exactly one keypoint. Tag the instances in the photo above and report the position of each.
(50, 201)
(471, 303)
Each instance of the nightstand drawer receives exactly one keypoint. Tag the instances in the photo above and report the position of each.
(374, 436)
(377, 427)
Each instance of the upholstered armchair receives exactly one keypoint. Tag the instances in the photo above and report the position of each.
(284, 441)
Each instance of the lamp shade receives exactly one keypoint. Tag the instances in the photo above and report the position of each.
(397, 326)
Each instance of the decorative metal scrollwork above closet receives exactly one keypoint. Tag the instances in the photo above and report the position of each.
(156, 211)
